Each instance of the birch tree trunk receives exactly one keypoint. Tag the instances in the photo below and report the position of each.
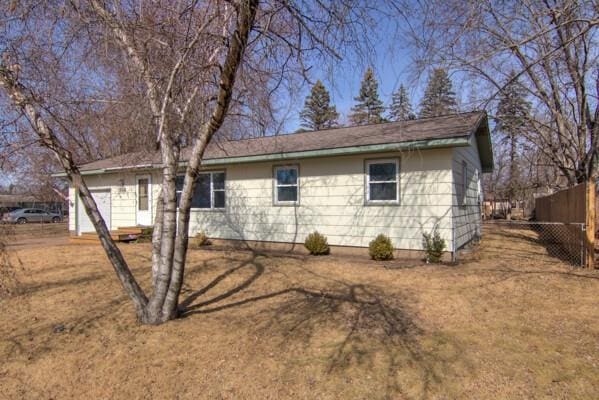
(170, 236)
(184, 60)
(245, 21)
(21, 98)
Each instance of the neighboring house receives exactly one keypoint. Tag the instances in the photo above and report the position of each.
(494, 207)
(351, 184)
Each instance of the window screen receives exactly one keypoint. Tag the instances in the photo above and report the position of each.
(286, 185)
(382, 181)
(209, 190)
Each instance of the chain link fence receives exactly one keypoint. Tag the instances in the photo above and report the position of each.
(548, 241)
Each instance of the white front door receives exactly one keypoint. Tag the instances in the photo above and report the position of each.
(144, 200)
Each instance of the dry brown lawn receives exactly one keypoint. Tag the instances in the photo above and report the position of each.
(509, 323)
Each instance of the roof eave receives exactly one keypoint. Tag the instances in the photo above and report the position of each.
(458, 141)
(484, 145)
(343, 151)
(99, 171)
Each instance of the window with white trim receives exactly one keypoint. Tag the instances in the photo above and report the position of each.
(382, 181)
(464, 183)
(286, 188)
(209, 191)
(479, 192)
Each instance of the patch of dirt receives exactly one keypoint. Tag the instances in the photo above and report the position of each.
(37, 230)
(502, 324)
(34, 235)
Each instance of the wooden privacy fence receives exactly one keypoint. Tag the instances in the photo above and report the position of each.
(569, 206)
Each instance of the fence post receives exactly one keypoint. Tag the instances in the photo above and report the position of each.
(590, 194)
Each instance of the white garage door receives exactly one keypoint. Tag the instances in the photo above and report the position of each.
(102, 198)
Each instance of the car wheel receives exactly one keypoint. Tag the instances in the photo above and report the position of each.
(56, 219)
(22, 221)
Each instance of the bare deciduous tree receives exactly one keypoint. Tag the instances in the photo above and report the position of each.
(552, 46)
(194, 63)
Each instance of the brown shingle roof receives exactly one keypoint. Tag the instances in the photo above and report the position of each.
(445, 127)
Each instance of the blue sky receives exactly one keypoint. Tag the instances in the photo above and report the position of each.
(391, 61)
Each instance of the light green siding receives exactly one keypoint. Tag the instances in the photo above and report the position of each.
(332, 197)
(467, 218)
(332, 201)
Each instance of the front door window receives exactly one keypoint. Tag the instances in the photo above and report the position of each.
(144, 200)
(142, 190)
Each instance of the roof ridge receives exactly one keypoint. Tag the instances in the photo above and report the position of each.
(353, 126)
(430, 128)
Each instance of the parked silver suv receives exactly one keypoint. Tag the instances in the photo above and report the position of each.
(25, 215)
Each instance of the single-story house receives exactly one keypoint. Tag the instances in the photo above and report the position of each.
(401, 179)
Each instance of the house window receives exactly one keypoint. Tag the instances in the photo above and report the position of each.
(142, 190)
(209, 190)
(382, 181)
(286, 185)
(463, 186)
(479, 192)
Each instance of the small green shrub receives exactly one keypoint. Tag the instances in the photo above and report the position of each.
(433, 246)
(317, 244)
(145, 236)
(381, 248)
(143, 239)
(201, 239)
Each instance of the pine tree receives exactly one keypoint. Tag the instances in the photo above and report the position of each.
(369, 109)
(439, 97)
(401, 107)
(318, 113)
(513, 110)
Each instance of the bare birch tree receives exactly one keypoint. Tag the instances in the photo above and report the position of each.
(553, 47)
(191, 60)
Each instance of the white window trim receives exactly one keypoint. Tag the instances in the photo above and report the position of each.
(479, 192)
(178, 191)
(276, 185)
(212, 190)
(368, 182)
(464, 183)
(149, 194)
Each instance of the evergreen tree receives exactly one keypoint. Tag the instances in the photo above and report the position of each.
(369, 109)
(318, 113)
(439, 97)
(401, 107)
(513, 111)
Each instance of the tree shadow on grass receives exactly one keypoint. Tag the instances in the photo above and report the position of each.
(187, 306)
(36, 342)
(357, 324)
(372, 333)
